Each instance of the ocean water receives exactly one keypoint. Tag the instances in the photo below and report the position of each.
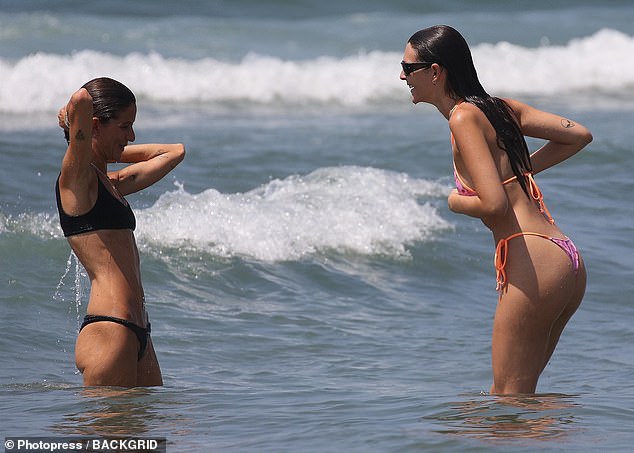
(309, 289)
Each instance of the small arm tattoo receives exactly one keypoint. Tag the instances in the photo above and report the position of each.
(566, 123)
(80, 135)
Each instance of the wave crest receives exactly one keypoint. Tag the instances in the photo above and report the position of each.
(345, 209)
(361, 79)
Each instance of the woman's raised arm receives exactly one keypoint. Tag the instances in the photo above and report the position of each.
(565, 137)
(149, 164)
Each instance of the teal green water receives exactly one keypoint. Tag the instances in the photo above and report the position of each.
(308, 288)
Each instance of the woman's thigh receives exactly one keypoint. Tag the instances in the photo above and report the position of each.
(541, 283)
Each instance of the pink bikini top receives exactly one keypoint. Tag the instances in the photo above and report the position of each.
(461, 185)
(533, 189)
(464, 189)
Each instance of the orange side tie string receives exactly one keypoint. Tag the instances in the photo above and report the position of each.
(537, 195)
(501, 252)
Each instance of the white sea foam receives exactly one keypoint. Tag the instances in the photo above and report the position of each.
(42, 82)
(40, 224)
(345, 209)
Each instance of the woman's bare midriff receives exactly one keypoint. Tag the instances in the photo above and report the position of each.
(111, 260)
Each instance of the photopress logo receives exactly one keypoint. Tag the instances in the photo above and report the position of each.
(42, 444)
(93, 444)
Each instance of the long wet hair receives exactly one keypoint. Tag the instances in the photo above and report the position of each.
(445, 46)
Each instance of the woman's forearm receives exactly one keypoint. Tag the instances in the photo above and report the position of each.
(144, 152)
(553, 153)
(148, 164)
(474, 206)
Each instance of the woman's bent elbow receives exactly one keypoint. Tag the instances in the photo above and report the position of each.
(179, 153)
(584, 137)
(588, 137)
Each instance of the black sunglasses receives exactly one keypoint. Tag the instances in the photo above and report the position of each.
(408, 68)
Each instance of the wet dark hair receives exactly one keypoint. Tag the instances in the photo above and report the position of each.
(109, 97)
(445, 46)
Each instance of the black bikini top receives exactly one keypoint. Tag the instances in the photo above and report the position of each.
(108, 213)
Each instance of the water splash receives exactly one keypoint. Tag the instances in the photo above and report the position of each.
(346, 209)
(80, 284)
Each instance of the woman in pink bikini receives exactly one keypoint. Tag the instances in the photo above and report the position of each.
(541, 276)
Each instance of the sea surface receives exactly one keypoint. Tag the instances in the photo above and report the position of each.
(308, 288)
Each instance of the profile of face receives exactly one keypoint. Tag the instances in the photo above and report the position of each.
(113, 135)
(419, 80)
(114, 112)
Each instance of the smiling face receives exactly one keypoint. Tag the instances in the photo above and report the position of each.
(114, 135)
(418, 81)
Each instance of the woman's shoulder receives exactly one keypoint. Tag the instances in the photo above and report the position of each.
(465, 115)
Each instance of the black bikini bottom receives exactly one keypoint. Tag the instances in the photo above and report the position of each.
(141, 333)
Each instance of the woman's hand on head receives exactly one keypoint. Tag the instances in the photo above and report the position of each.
(80, 96)
(62, 119)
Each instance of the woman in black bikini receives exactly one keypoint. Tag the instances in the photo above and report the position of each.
(114, 347)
